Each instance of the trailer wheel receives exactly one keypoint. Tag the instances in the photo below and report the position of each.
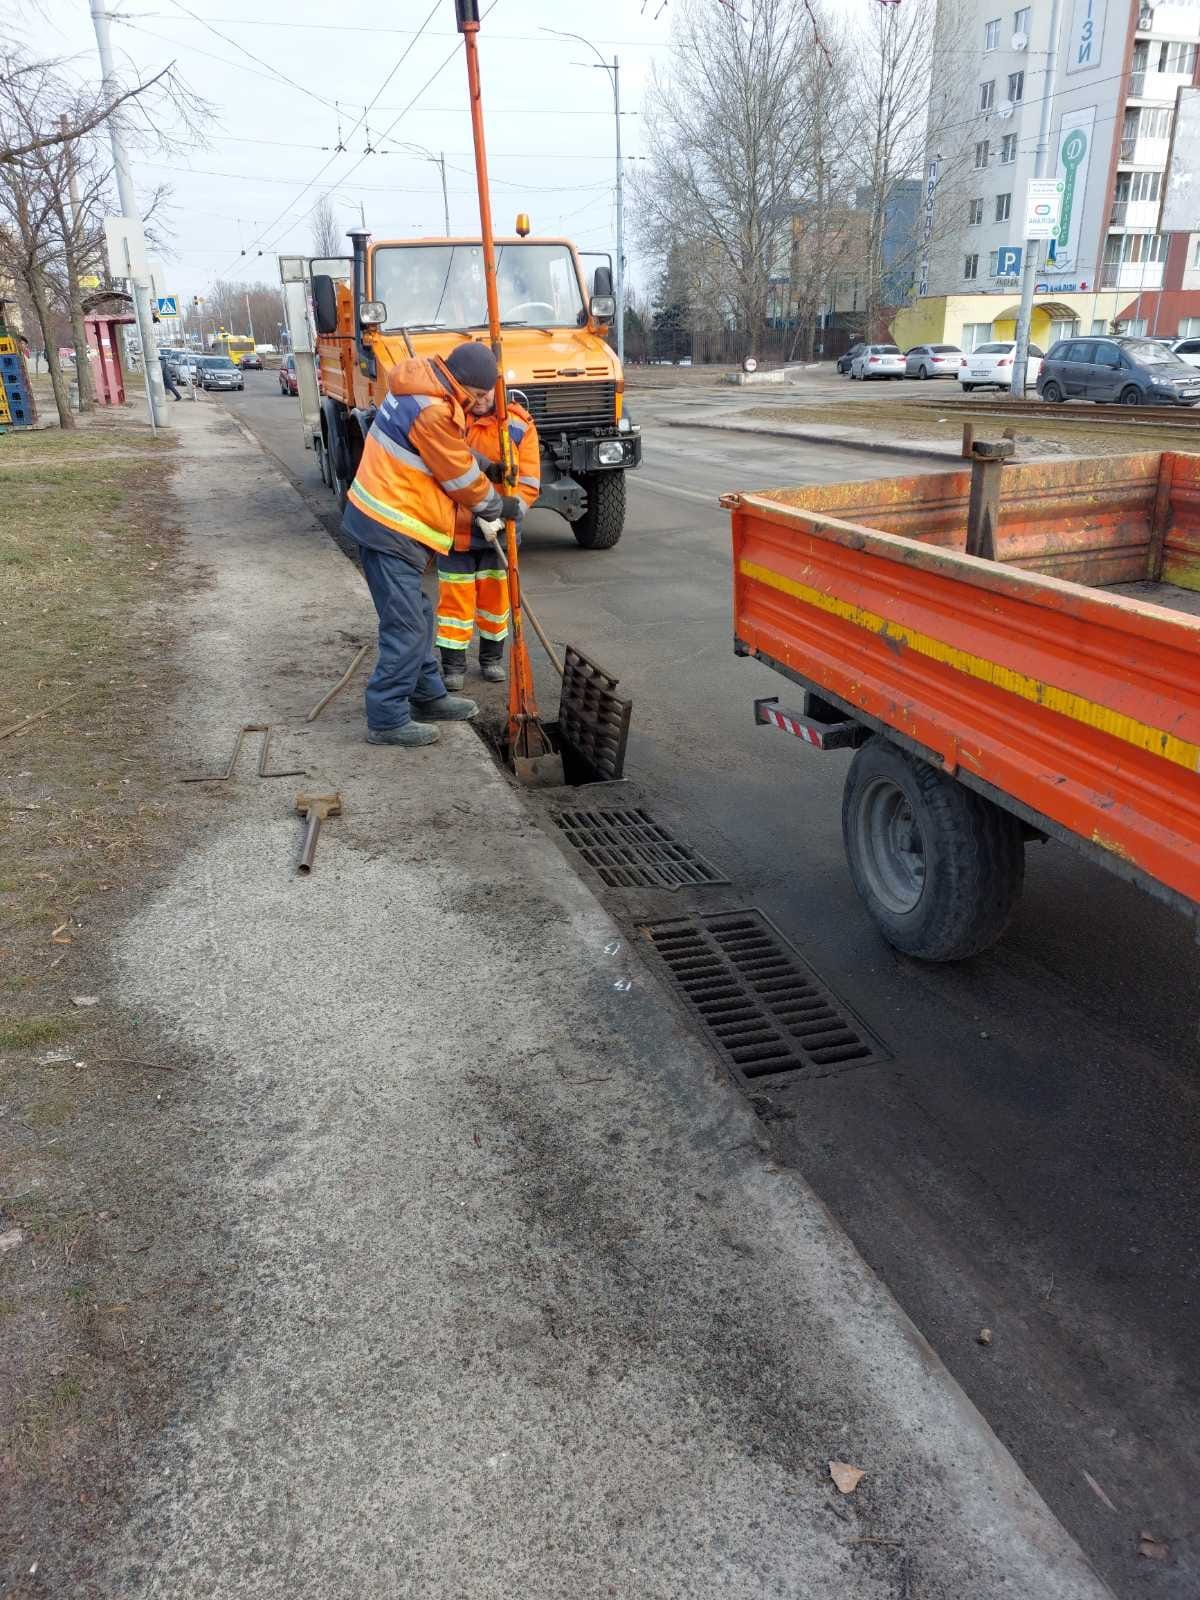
(601, 524)
(938, 867)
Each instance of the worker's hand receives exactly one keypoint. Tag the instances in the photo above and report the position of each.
(512, 508)
(493, 471)
(491, 528)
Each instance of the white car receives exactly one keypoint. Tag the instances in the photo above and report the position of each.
(1187, 350)
(878, 361)
(989, 366)
(932, 361)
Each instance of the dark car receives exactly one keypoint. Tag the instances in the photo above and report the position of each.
(218, 372)
(251, 363)
(1133, 372)
(843, 362)
(288, 381)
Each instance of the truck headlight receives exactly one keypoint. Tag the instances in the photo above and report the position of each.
(610, 453)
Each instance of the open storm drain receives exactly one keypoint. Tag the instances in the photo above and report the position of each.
(630, 850)
(759, 1001)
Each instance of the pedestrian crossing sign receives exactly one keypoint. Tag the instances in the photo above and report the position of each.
(167, 305)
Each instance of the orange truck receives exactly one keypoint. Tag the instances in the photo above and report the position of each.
(1047, 687)
(352, 319)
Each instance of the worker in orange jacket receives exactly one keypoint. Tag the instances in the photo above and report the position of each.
(472, 583)
(416, 471)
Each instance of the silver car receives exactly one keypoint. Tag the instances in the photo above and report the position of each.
(219, 372)
(932, 361)
(878, 361)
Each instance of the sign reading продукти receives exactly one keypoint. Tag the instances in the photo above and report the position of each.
(1043, 206)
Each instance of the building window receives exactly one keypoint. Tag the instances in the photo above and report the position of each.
(1021, 20)
(1177, 58)
(991, 35)
(1135, 328)
(1008, 149)
(974, 212)
(975, 334)
(993, 262)
(987, 95)
(970, 267)
(1064, 328)
(1189, 328)
(981, 153)
(1016, 86)
(1099, 325)
(1003, 207)
(1144, 186)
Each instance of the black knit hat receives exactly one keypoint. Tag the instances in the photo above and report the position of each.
(473, 365)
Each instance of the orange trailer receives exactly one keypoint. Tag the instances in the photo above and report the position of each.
(1053, 691)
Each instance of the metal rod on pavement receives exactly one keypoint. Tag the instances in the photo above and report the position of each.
(1029, 262)
(156, 392)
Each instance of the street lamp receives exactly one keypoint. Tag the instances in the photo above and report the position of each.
(613, 68)
(438, 161)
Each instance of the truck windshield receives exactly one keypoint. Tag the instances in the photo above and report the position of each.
(441, 285)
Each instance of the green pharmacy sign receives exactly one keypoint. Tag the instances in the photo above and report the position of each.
(1074, 158)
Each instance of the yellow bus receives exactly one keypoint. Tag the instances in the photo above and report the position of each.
(233, 345)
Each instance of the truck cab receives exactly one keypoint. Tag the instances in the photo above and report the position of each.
(396, 298)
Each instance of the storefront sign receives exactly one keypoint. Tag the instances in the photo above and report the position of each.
(1074, 159)
(1085, 41)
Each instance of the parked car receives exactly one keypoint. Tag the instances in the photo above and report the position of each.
(218, 372)
(989, 366)
(878, 361)
(288, 381)
(252, 362)
(1187, 350)
(932, 361)
(1134, 372)
(843, 362)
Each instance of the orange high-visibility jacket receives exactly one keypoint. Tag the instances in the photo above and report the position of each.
(483, 439)
(416, 466)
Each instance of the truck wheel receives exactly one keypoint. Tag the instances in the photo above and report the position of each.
(600, 526)
(938, 867)
(322, 460)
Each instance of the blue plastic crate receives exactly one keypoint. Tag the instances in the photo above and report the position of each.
(18, 395)
(11, 366)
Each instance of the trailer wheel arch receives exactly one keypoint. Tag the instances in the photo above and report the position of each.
(939, 867)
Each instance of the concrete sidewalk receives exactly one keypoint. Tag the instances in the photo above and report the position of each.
(518, 1305)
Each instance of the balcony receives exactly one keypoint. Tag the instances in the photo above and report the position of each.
(1132, 275)
(1143, 152)
(1139, 215)
(1157, 87)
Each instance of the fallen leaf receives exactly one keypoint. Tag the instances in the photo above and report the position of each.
(60, 935)
(846, 1477)
(85, 999)
(10, 1240)
(1153, 1549)
(1098, 1491)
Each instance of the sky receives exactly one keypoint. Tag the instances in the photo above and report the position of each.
(282, 76)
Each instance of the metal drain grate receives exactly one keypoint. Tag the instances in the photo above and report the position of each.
(592, 719)
(631, 851)
(759, 1001)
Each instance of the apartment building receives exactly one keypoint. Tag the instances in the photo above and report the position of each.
(1120, 64)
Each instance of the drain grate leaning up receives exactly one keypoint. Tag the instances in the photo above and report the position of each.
(759, 1001)
(630, 850)
(592, 720)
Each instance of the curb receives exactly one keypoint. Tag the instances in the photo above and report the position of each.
(858, 441)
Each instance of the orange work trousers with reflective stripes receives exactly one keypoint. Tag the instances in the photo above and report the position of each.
(472, 593)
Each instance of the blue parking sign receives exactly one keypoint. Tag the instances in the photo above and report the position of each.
(1008, 261)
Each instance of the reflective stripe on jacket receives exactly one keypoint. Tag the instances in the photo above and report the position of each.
(483, 438)
(416, 466)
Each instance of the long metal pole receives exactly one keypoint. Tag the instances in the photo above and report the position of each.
(1029, 264)
(445, 194)
(249, 318)
(156, 393)
(616, 79)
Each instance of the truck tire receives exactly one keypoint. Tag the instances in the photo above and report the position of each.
(939, 868)
(343, 450)
(600, 526)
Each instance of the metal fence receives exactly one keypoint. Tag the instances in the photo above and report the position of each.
(778, 346)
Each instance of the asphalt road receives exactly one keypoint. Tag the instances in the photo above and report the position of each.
(1026, 1162)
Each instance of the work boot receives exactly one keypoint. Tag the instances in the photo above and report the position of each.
(408, 736)
(492, 671)
(453, 680)
(450, 708)
(454, 668)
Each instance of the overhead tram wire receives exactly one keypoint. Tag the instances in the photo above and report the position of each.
(324, 168)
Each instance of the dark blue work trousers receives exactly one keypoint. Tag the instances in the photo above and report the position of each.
(408, 666)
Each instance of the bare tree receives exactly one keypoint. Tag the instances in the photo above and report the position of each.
(728, 129)
(327, 236)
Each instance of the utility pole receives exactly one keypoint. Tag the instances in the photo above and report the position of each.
(156, 393)
(1029, 263)
(439, 161)
(613, 68)
(249, 318)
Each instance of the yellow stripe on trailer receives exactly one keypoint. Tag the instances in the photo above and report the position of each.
(1156, 740)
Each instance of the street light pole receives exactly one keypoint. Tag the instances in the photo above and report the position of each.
(613, 68)
(1029, 263)
(439, 161)
(156, 393)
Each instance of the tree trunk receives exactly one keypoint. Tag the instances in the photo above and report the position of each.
(36, 285)
(83, 369)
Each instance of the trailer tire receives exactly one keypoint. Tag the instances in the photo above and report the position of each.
(939, 868)
(602, 523)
